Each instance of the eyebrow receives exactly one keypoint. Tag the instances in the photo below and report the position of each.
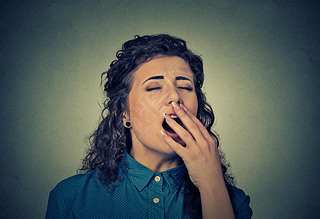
(161, 77)
(182, 78)
(154, 78)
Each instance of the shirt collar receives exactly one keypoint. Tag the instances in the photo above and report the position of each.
(175, 177)
(140, 175)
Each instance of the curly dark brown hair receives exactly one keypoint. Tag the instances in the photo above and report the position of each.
(111, 138)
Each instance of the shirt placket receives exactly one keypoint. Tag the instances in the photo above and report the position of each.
(156, 197)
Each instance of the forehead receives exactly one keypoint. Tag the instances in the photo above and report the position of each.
(166, 66)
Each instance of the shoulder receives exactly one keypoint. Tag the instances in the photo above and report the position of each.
(64, 194)
(75, 183)
(240, 202)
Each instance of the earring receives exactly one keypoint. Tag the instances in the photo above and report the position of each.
(127, 125)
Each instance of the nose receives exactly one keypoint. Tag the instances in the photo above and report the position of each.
(173, 96)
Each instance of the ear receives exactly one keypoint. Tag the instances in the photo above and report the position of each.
(126, 116)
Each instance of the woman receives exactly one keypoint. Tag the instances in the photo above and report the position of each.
(154, 154)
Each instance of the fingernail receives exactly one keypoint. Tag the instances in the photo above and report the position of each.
(168, 118)
(164, 134)
(183, 107)
(176, 105)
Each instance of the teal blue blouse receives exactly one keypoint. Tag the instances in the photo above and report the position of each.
(141, 193)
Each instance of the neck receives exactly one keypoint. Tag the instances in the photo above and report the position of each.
(154, 160)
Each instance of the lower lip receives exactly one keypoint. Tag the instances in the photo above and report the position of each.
(172, 135)
(175, 137)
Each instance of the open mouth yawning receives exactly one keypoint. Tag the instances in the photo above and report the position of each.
(167, 127)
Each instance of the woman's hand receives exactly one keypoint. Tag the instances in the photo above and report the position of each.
(202, 159)
(200, 155)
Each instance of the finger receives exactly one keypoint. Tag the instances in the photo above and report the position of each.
(188, 123)
(196, 121)
(185, 136)
(181, 151)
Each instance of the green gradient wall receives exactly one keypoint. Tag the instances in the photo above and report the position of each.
(262, 65)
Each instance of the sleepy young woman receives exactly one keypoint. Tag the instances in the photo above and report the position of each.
(154, 154)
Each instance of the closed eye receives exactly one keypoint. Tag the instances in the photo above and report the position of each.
(152, 88)
(186, 88)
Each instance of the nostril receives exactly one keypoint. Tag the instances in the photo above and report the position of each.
(178, 102)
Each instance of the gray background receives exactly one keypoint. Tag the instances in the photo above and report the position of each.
(262, 78)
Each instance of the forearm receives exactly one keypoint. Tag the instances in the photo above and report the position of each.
(215, 202)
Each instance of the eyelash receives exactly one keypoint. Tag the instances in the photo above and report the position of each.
(157, 88)
(186, 88)
(152, 88)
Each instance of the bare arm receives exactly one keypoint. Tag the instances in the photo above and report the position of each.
(216, 202)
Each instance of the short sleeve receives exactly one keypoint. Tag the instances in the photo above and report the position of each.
(241, 203)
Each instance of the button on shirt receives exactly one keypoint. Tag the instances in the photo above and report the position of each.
(140, 193)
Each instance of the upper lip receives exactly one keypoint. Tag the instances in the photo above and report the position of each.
(170, 114)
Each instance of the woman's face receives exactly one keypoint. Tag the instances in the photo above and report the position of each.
(155, 85)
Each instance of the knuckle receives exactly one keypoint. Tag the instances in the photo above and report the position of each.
(193, 126)
(205, 146)
(212, 141)
(193, 155)
(198, 123)
(181, 114)
(185, 135)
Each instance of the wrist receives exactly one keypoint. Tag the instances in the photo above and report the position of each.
(212, 185)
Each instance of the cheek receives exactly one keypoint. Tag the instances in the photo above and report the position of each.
(191, 103)
(152, 101)
(143, 113)
(195, 107)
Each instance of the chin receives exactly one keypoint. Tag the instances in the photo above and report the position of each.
(168, 151)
